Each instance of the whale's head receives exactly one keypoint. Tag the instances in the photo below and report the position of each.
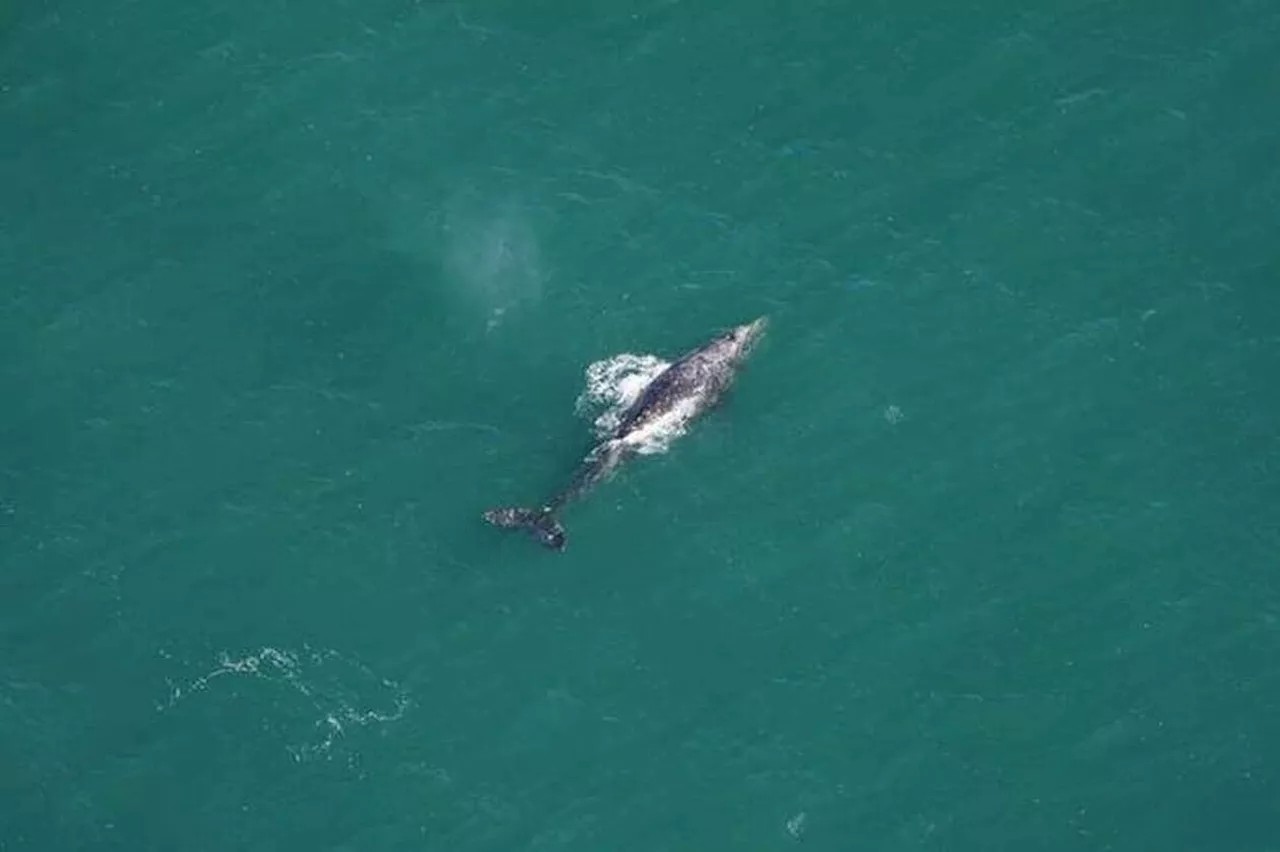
(741, 339)
(732, 346)
(727, 350)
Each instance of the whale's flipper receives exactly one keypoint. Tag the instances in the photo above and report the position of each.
(541, 522)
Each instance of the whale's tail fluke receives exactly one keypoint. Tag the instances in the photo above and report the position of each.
(541, 523)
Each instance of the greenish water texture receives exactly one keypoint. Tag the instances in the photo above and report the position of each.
(980, 554)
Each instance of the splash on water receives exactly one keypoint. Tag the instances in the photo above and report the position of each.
(320, 694)
(796, 825)
(613, 385)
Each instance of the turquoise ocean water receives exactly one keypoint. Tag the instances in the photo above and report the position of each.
(981, 553)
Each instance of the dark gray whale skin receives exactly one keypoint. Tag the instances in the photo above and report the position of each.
(694, 383)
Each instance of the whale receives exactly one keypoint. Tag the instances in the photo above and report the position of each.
(689, 387)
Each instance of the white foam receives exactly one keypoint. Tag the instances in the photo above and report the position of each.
(319, 693)
(613, 385)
